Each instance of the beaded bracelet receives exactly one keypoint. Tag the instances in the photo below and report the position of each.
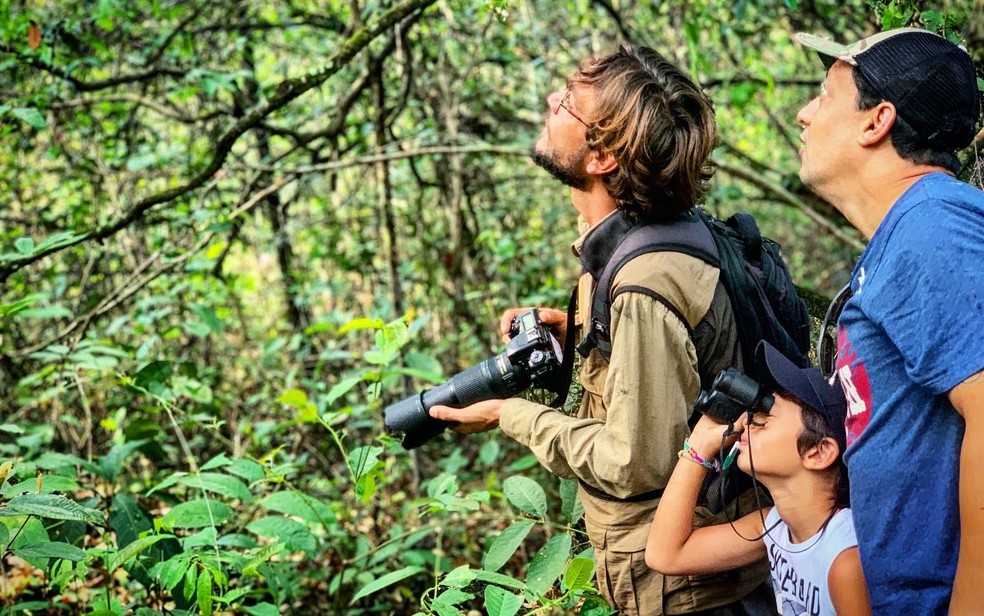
(696, 457)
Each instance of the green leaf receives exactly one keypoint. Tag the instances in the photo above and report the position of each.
(205, 592)
(247, 469)
(500, 602)
(208, 317)
(504, 546)
(218, 483)
(363, 460)
(30, 115)
(301, 505)
(460, 577)
(294, 397)
(526, 495)
(133, 549)
(595, 606)
(388, 579)
(52, 549)
(445, 483)
(263, 609)
(198, 514)
(361, 323)
(291, 532)
(24, 245)
(53, 507)
(156, 372)
(261, 556)
(342, 387)
(111, 464)
(980, 84)
(578, 574)
(217, 462)
(499, 579)
(548, 564)
(571, 507)
(173, 570)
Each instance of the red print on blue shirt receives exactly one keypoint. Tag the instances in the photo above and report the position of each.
(857, 388)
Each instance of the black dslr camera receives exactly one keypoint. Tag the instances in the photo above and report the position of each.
(533, 355)
(733, 394)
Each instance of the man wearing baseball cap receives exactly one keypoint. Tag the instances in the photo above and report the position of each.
(879, 143)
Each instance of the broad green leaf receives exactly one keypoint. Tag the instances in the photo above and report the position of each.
(504, 545)
(596, 606)
(208, 317)
(173, 570)
(155, 372)
(445, 483)
(218, 483)
(247, 469)
(24, 245)
(499, 602)
(30, 115)
(548, 564)
(499, 579)
(50, 484)
(296, 398)
(111, 464)
(380, 583)
(291, 532)
(262, 556)
(453, 596)
(53, 507)
(301, 505)
(4, 538)
(205, 592)
(578, 574)
(263, 609)
(460, 577)
(571, 507)
(198, 514)
(363, 460)
(217, 462)
(526, 495)
(343, 387)
(134, 548)
(53, 549)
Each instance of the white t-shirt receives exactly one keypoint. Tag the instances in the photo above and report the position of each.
(799, 570)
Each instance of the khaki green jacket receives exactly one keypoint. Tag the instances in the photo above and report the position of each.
(632, 420)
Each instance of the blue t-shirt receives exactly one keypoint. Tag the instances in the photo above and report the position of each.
(913, 330)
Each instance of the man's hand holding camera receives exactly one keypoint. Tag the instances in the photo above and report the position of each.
(484, 416)
(479, 417)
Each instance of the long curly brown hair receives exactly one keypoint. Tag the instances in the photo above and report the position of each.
(659, 127)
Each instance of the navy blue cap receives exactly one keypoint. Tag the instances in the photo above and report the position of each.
(808, 385)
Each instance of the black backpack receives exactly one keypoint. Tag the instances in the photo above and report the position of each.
(763, 297)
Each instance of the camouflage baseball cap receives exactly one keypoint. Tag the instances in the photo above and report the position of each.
(930, 81)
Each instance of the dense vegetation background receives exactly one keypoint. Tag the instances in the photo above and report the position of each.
(234, 230)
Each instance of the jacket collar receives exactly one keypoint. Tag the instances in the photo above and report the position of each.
(597, 245)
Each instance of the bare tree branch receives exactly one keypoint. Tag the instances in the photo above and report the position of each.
(287, 91)
(789, 198)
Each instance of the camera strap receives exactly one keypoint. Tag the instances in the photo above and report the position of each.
(567, 364)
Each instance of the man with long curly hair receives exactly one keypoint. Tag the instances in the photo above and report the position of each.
(631, 135)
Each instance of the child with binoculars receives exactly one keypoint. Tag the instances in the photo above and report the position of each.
(793, 447)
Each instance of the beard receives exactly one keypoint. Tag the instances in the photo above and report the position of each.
(570, 173)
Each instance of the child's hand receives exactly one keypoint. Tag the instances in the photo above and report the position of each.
(706, 439)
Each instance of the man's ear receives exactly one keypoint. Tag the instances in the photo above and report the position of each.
(879, 120)
(821, 456)
(600, 163)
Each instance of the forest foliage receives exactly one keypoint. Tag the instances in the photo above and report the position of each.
(234, 230)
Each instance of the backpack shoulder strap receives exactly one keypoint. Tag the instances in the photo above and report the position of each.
(689, 236)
